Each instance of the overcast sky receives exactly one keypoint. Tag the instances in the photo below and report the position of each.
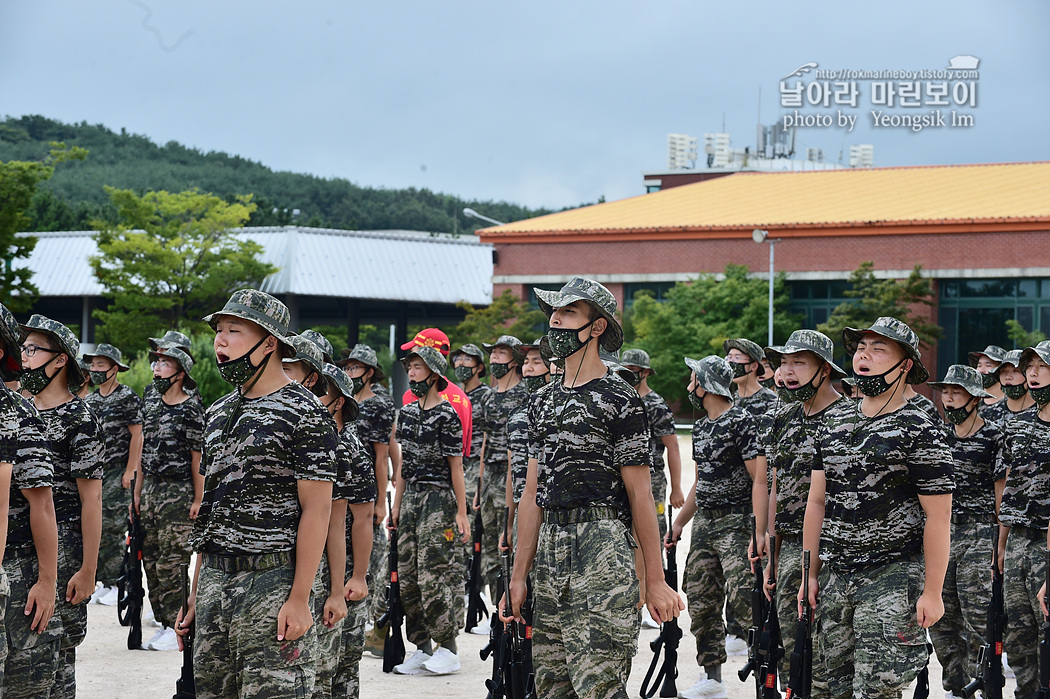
(540, 103)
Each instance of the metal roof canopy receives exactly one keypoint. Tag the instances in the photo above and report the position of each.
(381, 265)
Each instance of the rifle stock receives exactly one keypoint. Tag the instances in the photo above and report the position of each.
(185, 686)
(769, 647)
(476, 609)
(758, 616)
(989, 678)
(667, 641)
(800, 679)
(394, 643)
(130, 592)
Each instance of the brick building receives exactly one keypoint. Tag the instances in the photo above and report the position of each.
(981, 232)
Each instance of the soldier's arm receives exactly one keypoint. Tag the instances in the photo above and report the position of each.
(44, 526)
(529, 517)
(759, 501)
(455, 463)
(663, 602)
(198, 483)
(356, 588)
(509, 501)
(5, 496)
(674, 467)
(382, 452)
(335, 548)
(812, 523)
(135, 452)
(315, 501)
(82, 584)
(935, 544)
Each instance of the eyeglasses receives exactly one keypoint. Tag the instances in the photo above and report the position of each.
(30, 350)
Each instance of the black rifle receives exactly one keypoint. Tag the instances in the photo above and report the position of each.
(758, 619)
(670, 635)
(989, 677)
(129, 585)
(476, 609)
(800, 678)
(394, 617)
(770, 649)
(499, 645)
(922, 682)
(517, 670)
(1044, 646)
(185, 687)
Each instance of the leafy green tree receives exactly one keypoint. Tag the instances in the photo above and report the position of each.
(507, 315)
(205, 371)
(1021, 337)
(904, 299)
(168, 259)
(18, 185)
(699, 315)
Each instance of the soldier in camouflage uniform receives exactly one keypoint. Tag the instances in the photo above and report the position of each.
(987, 364)
(590, 451)
(268, 465)
(878, 515)
(1024, 515)
(169, 488)
(765, 375)
(429, 510)
(980, 474)
(1015, 387)
(77, 452)
(29, 643)
(119, 411)
(170, 339)
(730, 485)
(357, 488)
(805, 365)
(535, 370)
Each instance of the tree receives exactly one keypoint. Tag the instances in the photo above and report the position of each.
(698, 316)
(170, 259)
(1021, 337)
(876, 298)
(18, 184)
(507, 315)
(205, 372)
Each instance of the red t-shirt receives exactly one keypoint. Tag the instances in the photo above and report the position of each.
(460, 403)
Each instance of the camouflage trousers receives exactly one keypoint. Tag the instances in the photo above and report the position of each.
(114, 524)
(32, 658)
(347, 681)
(378, 569)
(165, 511)
(585, 618)
(493, 508)
(967, 590)
(74, 616)
(789, 580)
(871, 643)
(471, 467)
(328, 640)
(235, 651)
(717, 564)
(1024, 570)
(428, 564)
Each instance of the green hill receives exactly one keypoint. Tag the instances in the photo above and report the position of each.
(75, 194)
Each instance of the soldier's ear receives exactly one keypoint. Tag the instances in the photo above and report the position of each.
(599, 326)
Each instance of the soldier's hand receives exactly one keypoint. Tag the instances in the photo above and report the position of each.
(80, 586)
(463, 525)
(477, 502)
(517, 599)
(663, 602)
(677, 498)
(395, 513)
(356, 589)
(334, 609)
(183, 621)
(41, 604)
(766, 587)
(379, 513)
(813, 588)
(1042, 600)
(293, 620)
(136, 502)
(928, 610)
(195, 509)
(672, 536)
(753, 555)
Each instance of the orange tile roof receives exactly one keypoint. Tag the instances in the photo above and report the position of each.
(824, 202)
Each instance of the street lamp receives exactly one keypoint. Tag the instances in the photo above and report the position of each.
(760, 236)
(471, 213)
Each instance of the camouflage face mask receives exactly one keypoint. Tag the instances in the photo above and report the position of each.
(990, 379)
(36, 380)
(1015, 392)
(958, 416)
(875, 385)
(1040, 395)
(98, 377)
(696, 401)
(238, 371)
(535, 383)
(498, 369)
(631, 377)
(768, 383)
(464, 373)
(566, 342)
(163, 383)
(806, 391)
(740, 369)
(357, 384)
(420, 388)
(785, 395)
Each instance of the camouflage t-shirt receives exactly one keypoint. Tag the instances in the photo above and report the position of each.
(996, 412)
(122, 407)
(720, 448)
(875, 470)
(478, 397)
(978, 464)
(923, 403)
(498, 409)
(24, 445)
(661, 424)
(518, 435)
(251, 498)
(582, 437)
(761, 404)
(169, 434)
(793, 447)
(427, 438)
(356, 480)
(1026, 499)
(76, 451)
(375, 421)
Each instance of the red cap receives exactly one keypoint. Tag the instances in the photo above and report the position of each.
(431, 337)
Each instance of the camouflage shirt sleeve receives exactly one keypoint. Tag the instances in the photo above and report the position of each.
(23, 444)
(357, 481)
(375, 420)
(1026, 498)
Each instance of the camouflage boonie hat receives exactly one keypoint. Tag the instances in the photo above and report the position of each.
(580, 289)
(172, 338)
(1042, 350)
(260, 308)
(806, 341)
(327, 351)
(367, 356)
(510, 342)
(109, 352)
(433, 359)
(1013, 358)
(993, 352)
(541, 344)
(305, 351)
(638, 358)
(742, 344)
(182, 357)
(67, 343)
(471, 350)
(10, 337)
(713, 374)
(334, 376)
(965, 377)
(899, 332)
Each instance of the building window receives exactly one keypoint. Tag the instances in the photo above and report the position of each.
(815, 300)
(658, 290)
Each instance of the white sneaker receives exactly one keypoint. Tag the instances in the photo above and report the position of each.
(648, 622)
(98, 594)
(110, 598)
(167, 640)
(147, 645)
(484, 627)
(443, 662)
(735, 645)
(413, 664)
(704, 688)
(953, 695)
(1008, 672)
